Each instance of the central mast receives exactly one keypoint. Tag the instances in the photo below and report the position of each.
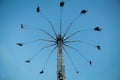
(60, 60)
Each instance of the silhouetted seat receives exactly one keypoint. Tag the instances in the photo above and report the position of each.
(77, 72)
(41, 72)
(98, 47)
(27, 61)
(97, 29)
(22, 26)
(38, 9)
(61, 4)
(20, 44)
(83, 11)
(90, 62)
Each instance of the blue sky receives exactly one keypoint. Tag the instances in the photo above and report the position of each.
(103, 13)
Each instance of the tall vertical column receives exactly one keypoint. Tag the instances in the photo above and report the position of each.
(60, 64)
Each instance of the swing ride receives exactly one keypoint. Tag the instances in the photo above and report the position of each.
(60, 41)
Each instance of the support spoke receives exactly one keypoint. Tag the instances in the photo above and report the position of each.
(46, 40)
(76, 51)
(52, 28)
(98, 29)
(39, 40)
(28, 27)
(60, 20)
(48, 46)
(31, 58)
(87, 43)
(95, 46)
(70, 59)
(25, 43)
(82, 12)
(61, 5)
(48, 34)
(29, 42)
(70, 25)
(38, 52)
(71, 35)
(49, 57)
(50, 23)
(72, 41)
(86, 30)
(89, 61)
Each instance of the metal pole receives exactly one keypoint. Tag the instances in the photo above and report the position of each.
(60, 62)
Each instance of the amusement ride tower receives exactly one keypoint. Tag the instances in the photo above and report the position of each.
(60, 41)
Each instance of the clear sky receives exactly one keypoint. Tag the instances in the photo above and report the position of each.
(103, 13)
